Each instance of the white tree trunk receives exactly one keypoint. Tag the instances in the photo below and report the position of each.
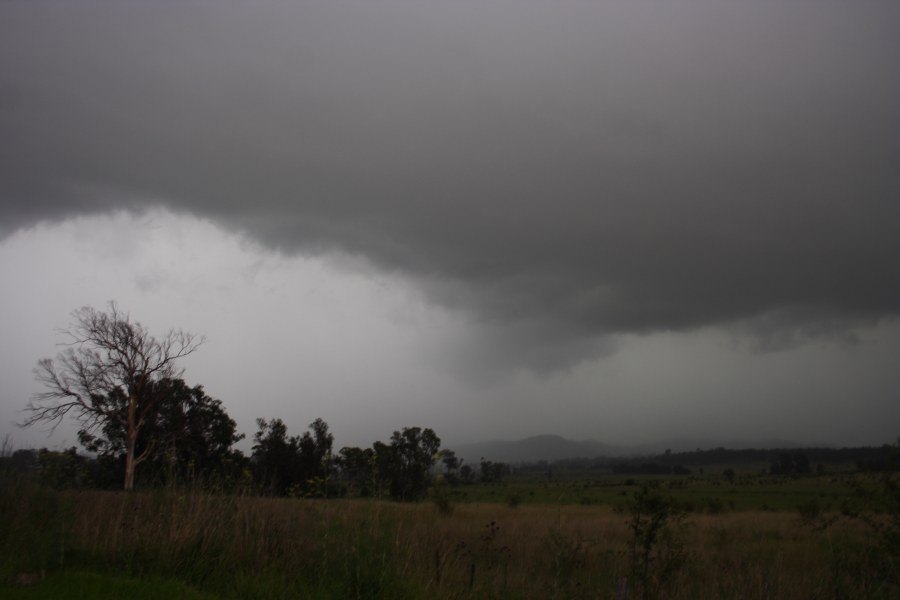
(131, 436)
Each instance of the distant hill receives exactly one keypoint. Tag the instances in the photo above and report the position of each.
(555, 447)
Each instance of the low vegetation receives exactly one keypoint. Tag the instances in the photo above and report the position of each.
(647, 545)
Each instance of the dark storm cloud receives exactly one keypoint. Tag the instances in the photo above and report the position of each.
(558, 170)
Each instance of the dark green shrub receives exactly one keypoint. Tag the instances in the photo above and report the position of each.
(657, 550)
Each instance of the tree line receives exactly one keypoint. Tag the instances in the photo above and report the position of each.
(280, 464)
(136, 413)
(192, 443)
(779, 461)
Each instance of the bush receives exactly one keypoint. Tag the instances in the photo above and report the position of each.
(657, 551)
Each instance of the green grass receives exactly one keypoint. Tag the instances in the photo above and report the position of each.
(756, 492)
(85, 585)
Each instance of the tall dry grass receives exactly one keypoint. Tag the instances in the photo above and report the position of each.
(242, 546)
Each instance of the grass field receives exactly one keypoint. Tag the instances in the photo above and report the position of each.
(757, 492)
(81, 585)
(550, 544)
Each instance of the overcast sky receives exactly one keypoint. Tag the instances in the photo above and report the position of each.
(626, 221)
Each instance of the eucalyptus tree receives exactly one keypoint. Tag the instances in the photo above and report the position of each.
(404, 465)
(111, 365)
(186, 436)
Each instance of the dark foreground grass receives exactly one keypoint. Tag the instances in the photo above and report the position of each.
(80, 585)
(229, 546)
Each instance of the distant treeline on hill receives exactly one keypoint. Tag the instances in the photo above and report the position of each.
(865, 458)
(777, 461)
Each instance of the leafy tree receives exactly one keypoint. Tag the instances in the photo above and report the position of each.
(404, 465)
(62, 469)
(493, 471)
(314, 460)
(274, 456)
(23, 460)
(185, 433)
(295, 464)
(452, 464)
(356, 465)
(109, 355)
(450, 460)
(315, 449)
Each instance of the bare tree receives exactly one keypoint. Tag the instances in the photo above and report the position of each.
(108, 354)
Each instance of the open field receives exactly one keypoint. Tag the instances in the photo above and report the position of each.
(695, 493)
(250, 547)
(79, 585)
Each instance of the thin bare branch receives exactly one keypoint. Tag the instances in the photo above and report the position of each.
(107, 353)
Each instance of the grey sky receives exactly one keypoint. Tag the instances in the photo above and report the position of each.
(546, 189)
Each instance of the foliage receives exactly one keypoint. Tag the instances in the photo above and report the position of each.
(357, 469)
(274, 457)
(656, 550)
(296, 465)
(403, 467)
(451, 464)
(186, 435)
(107, 377)
(60, 470)
(450, 460)
(789, 463)
(493, 471)
(876, 502)
(864, 458)
(315, 460)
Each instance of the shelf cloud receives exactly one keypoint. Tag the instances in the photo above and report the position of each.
(562, 172)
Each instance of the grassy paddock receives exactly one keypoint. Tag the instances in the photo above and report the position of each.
(80, 585)
(697, 493)
(250, 547)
